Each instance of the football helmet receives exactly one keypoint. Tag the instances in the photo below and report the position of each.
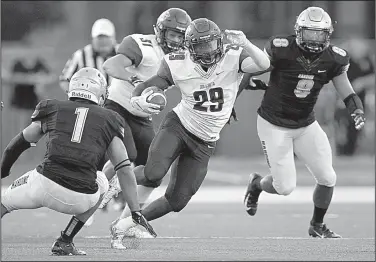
(204, 41)
(174, 19)
(90, 84)
(313, 29)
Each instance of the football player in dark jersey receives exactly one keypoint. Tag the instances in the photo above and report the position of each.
(79, 132)
(300, 66)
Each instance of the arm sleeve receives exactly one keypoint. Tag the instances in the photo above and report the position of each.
(269, 50)
(165, 72)
(130, 49)
(340, 68)
(43, 112)
(117, 126)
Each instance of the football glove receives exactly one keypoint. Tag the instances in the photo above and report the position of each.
(233, 115)
(139, 219)
(140, 103)
(236, 37)
(359, 119)
(256, 84)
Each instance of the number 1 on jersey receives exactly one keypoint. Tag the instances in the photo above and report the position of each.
(81, 113)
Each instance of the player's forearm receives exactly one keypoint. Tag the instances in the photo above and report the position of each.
(14, 149)
(128, 184)
(116, 65)
(259, 57)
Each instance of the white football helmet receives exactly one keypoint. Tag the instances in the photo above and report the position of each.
(313, 29)
(90, 84)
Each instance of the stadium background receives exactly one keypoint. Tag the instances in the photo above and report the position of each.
(53, 30)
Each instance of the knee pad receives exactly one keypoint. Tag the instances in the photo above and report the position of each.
(328, 179)
(284, 190)
(102, 182)
(178, 201)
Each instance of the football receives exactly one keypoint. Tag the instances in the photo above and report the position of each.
(157, 97)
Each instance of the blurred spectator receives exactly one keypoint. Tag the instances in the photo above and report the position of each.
(28, 76)
(362, 76)
(102, 47)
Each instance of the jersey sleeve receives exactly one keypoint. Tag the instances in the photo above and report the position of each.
(243, 55)
(130, 49)
(44, 113)
(342, 61)
(165, 72)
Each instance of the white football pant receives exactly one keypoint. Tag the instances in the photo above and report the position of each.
(310, 144)
(33, 190)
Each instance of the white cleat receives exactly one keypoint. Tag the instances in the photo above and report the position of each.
(89, 222)
(136, 232)
(113, 190)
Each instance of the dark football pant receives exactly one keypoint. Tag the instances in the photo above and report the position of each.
(138, 134)
(171, 142)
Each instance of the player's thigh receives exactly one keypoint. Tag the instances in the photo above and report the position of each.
(277, 145)
(26, 192)
(143, 134)
(312, 146)
(167, 144)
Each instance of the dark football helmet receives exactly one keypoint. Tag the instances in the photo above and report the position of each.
(174, 19)
(204, 41)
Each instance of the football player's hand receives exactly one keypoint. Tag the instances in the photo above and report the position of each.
(140, 103)
(139, 219)
(359, 119)
(233, 115)
(236, 37)
(256, 84)
(134, 80)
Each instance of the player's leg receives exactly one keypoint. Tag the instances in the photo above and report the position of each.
(26, 192)
(313, 148)
(64, 244)
(165, 148)
(278, 149)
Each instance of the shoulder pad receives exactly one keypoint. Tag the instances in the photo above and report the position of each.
(341, 56)
(339, 51)
(43, 108)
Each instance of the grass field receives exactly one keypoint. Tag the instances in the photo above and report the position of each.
(215, 226)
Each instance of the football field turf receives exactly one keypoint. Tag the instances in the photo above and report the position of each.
(212, 228)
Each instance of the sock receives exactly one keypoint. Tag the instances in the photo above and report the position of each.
(74, 226)
(157, 209)
(322, 196)
(143, 195)
(266, 184)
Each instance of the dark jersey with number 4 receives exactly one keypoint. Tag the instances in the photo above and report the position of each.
(78, 135)
(295, 81)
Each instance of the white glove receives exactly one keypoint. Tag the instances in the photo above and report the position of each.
(236, 37)
(140, 103)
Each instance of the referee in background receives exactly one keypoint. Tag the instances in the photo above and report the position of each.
(102, 47)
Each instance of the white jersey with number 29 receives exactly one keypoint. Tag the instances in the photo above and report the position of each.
(207, 97)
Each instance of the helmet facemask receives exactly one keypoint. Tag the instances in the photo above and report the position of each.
(207, 52)
(313, 40)
(169, 45)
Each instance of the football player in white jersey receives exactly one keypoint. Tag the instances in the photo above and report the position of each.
(301, 65)
(208, 74)
(140, 56)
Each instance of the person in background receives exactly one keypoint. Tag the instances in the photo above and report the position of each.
(103, 46)
(362, 77)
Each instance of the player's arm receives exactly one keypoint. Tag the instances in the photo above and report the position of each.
(128, 54)
(127, 180)
(23, 141)
(163, 80)
(71, 67)
(350, 98)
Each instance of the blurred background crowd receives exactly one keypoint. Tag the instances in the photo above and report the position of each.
(38, 37)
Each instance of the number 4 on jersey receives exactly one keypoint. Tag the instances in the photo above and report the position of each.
(81, 113)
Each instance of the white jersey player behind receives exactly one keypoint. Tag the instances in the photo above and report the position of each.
(139, 56)
(208, 75)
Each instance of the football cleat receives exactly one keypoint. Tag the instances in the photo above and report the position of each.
(62, 248)
(113, 190)
(252, 194)
(322, 231)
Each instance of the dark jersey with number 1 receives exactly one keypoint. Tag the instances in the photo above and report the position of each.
(295, 81)
(78, 135)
